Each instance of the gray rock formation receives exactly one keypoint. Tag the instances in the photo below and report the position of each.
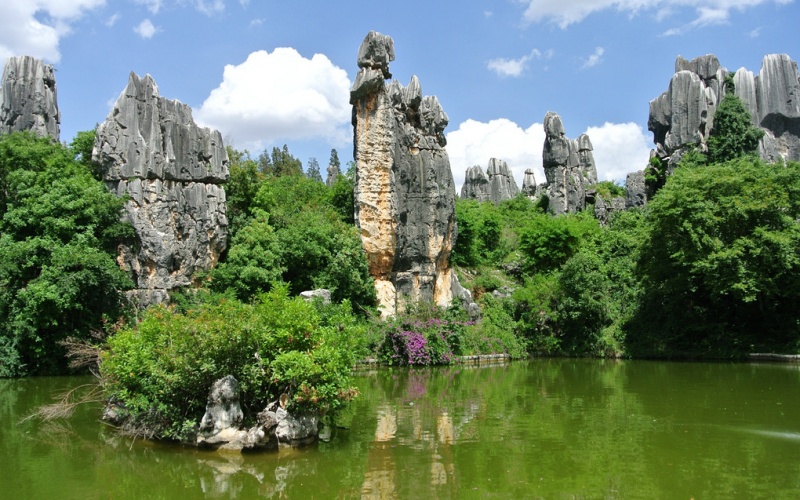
(476, 184)
(321, 294)
(684, 115)
(404, 191)
(635, 190)
(604, 208)
(333, 174)
(529, 186)
(568, 166)
(497, 185)
(151, 150)
(221, 426)
(222, 409)
(501, 182)
(28, 98)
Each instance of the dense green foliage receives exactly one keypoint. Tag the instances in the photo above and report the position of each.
(159, 371)
(59, 228)
(733, 135)
(293, 232)
(720, 262)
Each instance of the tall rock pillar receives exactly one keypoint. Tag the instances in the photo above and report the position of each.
(404, 190)
(28, 100)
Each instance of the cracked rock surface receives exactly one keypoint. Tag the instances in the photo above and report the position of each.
(151, 151)
(28, 98)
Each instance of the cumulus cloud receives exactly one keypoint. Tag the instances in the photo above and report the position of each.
(574, 11)
(594, 59)
(277, 96)
(474, 143)
(619, 148)
(145, 29)
(35, 27)
(515, 67)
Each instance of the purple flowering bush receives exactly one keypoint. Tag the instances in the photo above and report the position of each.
(421, 340)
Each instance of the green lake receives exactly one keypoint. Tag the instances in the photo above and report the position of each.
(551, 428)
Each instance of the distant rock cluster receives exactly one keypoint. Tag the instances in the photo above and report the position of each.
(404, 190)
(28, 98)
(496, 185)
(683, 116)
(569, 168)
(151, 150)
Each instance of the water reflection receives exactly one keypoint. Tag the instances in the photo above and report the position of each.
(545, 428)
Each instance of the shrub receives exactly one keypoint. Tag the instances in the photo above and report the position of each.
(161, 370)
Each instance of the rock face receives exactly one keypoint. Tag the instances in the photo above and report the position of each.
(496, 185)
(635, 190)
(404, 191)
(476, 184)
(152, 151)
(28, 100)
(568, 166)
(683, 116)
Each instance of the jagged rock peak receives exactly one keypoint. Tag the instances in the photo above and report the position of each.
(376, 52)
(152, 152)
(568, 166)
(146, 136)
(28, 98)
(706, 67)
(529, 186)
(476, 184)
(501, 181)
(684, 115)
(404, 190)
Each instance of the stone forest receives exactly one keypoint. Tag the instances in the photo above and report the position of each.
(213, 302)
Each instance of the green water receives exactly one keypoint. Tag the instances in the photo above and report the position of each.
(537, 429)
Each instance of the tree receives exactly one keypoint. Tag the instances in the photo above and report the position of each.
(334, 161)
(312, 171)
(279, 162)
(733, 134)
(240, 190)
(720, 265)
(59, 230)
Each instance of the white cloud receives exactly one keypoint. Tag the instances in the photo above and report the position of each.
(152, 5)
(755, 33)
(619, 148)
(474, 143)
(145, 29)
(563, 13)
(515, 67)
(111, 21)
(256, 22)
(278, 96)
(35, 27)
(210, 7)
(594, 59)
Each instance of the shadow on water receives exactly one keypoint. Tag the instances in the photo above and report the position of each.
(542, 428)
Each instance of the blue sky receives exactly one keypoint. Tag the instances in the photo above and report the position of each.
(268, 73)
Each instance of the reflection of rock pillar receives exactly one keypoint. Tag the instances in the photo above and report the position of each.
(380, 477)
